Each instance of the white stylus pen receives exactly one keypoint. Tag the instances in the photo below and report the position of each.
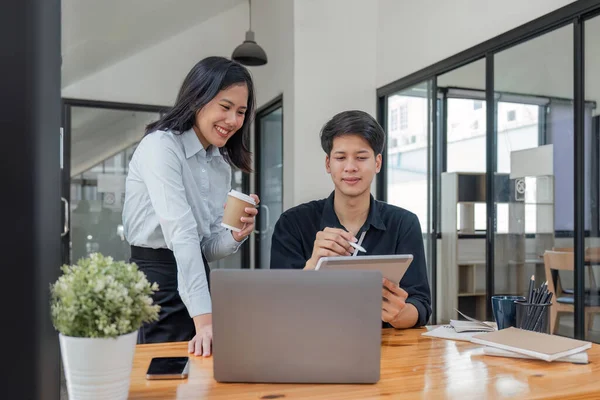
(357, 246)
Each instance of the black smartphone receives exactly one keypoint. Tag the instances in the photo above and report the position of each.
(168, 368)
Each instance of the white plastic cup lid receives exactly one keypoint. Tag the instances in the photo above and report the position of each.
(241, 196)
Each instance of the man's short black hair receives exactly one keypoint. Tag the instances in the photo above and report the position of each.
(353, 122)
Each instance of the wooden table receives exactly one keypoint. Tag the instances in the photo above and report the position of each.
(412, 366)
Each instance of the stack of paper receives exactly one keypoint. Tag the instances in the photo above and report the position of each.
(461, 330)
(448, 332)
(471, 326)
(534, 345)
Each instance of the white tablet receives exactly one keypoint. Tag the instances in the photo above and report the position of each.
(392, 267)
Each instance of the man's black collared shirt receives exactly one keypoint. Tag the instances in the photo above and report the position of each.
(389, 230)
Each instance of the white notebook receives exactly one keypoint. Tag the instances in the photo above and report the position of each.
(533, 344)
(579, 358)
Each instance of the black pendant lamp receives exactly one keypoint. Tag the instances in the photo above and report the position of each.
(249, 53)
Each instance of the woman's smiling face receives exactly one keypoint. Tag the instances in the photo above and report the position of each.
(222, 117)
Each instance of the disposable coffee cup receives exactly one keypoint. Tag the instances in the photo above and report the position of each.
(234, 210)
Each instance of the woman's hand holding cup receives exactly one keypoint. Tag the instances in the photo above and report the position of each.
(239, 215)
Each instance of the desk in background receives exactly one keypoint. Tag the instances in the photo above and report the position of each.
(412, 366)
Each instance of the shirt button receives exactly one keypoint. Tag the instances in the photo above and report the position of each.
(203, 170)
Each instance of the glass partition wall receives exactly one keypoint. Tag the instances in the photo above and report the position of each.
(591, 154)
(408, 180)
(513, 168)
(98, 142)
(462, 135)
(534, 161)
(268, 148)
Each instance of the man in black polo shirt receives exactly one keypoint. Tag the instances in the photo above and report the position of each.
(353, 142)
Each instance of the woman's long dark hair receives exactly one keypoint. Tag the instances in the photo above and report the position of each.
(205, 80)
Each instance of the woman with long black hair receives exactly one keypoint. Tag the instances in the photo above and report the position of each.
(177, 185)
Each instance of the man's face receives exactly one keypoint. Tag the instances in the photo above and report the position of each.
(352, 164)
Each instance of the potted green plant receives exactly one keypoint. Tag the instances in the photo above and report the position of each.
(97, 307)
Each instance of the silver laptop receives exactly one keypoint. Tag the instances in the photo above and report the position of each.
(294, 326)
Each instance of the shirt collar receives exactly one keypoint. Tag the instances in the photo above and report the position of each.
(192, 145)
(330, 218)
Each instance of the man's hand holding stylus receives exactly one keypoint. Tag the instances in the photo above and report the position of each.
(330, 242)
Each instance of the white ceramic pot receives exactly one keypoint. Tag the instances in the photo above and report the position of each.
(98, 368)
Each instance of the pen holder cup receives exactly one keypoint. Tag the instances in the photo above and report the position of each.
(533, 317)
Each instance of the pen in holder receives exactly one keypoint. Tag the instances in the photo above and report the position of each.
(534, 313)
(533, 317)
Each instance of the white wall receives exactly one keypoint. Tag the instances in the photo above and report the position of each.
(415, 34)
(273, 24)
(334, 70)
